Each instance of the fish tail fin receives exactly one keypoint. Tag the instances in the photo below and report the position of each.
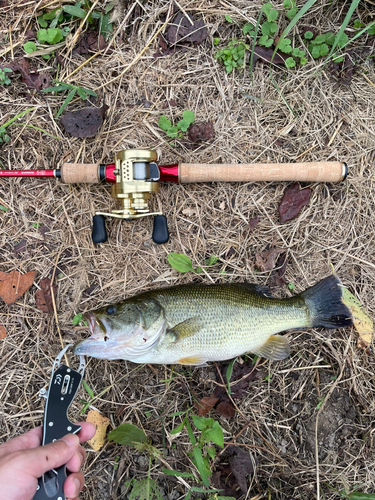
(325, 304)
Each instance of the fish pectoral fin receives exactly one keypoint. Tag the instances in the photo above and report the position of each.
(275, 348)
(185, 329)
(193, 360)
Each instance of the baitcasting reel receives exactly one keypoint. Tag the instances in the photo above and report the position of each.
(136, 176)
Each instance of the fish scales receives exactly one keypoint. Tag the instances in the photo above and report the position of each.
(231, 319)
(193, 324)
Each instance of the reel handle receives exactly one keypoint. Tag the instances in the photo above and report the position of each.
(160, 233)
(99, 232)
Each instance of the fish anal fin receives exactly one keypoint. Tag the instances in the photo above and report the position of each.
(185, 329)
(193, 360)
(275, 348)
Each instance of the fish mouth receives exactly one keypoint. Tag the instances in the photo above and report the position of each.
(97, 327)
(99, 343)
(90, 318)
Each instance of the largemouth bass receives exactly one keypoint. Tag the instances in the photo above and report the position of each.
(193, 324)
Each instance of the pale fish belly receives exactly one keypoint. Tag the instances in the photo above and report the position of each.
(219, 339)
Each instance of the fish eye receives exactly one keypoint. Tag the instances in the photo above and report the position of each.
(111, 310)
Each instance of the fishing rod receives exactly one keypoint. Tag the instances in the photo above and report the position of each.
(135, 175)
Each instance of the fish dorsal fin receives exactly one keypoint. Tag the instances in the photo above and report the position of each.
(262, 291)
(185, 329)
(276, 348)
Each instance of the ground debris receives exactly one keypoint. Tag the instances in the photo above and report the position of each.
(278, 274)
(266, 260)
(90, 42)
(43, 297)
(182, 32)
(253, 221)
(205, 404)
(33, 80)
(3, 332)
(230, 476)
(293, 201)
(84, 122)
(265, 55)
(14, 284)
(198, 132)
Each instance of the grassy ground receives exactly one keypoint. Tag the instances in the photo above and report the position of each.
(304, 114)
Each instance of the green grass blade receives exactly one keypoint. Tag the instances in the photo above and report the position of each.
(88, 389)
(58, 88)
(190, 432)
(89, 92)
(253, 47)
(229, 374)
(82, 94)
(357, 35)
(40, 130)
(69, 97)
(201, 466)
(6, 124)
(176, 473)
(345, 23)
(292, 23)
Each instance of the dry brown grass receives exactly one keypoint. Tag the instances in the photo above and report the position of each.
(336, 229)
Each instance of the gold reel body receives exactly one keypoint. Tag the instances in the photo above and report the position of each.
(137, 176)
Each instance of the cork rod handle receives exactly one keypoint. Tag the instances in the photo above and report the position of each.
(72, 173)
(325, 171)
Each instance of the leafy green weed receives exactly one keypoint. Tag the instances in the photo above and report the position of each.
(165, 124)
(73, 90)
(183, 264)
(4, 78)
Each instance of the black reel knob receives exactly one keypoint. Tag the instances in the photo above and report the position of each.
(160, 232)
(99, 233)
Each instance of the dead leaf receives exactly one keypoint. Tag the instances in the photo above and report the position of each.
(43, 297)
(20, 247)
(201, 132)
(101, 423)
(254, 221)
(229, 253)
(181, 30)
(224, 481)
(90, 42)
(205, 404)
(242, 374)
(241, 465)
(226, 409)
(14, 284)
(361, 320)
(293, 201)
(266, 260)
(343, 72)
(33, 80)
(222, 205)
(3, 332)
(84, 122)
(231, 479)
(265, 55)
(278, 275)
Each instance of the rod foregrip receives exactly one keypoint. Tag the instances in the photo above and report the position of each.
(72, 173)
(324, 171)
